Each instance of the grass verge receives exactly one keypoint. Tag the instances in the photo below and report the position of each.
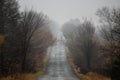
(24, 76)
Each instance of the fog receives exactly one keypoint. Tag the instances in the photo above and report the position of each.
(63, 10)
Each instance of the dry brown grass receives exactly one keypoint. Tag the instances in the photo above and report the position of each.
(25, 76)
(45, 60)
(93, 76)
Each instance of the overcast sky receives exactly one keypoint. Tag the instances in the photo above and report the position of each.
(63, 10)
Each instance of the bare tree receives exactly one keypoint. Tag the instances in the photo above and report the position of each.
(81, 44)
(39, 44)
(111, 33)
(30, 22)
(85, 41)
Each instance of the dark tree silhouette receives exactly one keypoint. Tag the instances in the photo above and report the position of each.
(30, 22)
(9, 16)
(85, 37)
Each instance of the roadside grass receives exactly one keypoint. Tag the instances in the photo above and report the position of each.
(93, 76)
(28, 76)
(24, 76)
(45, 60)
(89, 75)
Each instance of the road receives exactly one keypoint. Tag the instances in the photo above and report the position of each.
(58, 67)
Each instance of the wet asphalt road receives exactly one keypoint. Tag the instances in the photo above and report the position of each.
(58, 67)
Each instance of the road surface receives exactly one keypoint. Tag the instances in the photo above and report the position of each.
(58, 67)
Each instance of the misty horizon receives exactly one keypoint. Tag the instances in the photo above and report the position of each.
(62, 11)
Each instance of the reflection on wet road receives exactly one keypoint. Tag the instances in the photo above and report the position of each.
(58, 67)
